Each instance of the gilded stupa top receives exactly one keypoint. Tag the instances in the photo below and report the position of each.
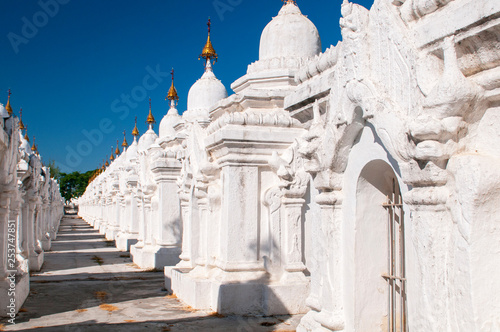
(21, 124)
(150, 120)
(26, 137)
(172, 93)
(124, 144)
(209, 51)
(135, 132)
(8, 108)
(34, 147)
(117, 151)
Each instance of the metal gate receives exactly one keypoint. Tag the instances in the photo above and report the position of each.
(396, 277)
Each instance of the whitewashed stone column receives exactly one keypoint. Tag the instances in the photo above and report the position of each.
(35, 252)
(16, 217)
(122, 217)
(147, 229)
(45, 225)
(239, 220)
(25, 227)
(53, 220)
(203, 209)
(37, 227)
(432, 228)
(293, 236)
(168, 234)
(132, 216)
(140, 225)
(187, 229)
(99, 208)
(112, 228)
(331, 315)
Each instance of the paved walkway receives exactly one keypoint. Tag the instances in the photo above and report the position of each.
(86, 284)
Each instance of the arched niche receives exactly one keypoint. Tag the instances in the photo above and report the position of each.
(379, 250)
(369, 177)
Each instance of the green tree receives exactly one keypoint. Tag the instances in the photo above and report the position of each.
(74, 184)
(55, 171)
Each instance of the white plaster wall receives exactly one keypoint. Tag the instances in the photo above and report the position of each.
(476, 214)
(485, 138)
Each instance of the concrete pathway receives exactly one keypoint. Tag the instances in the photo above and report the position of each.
(86, 284)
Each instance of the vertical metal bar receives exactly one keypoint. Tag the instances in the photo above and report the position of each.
(404, 326)
(389, 295)
(396, 260)
(401, 258)
(393, 258)
(397, 255)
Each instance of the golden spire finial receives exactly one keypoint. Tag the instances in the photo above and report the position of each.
(33, 147)
(8, 108)
(286, 2)
(21, 124)
(107, 163)
(124, 144)
(172, 93)
(135, 132)
(150, 120)
(209, 51)
(112, 156)
(117, 151)
(26, 137)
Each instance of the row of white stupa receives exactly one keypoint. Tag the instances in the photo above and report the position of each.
(161, 198)
(358, 186)
(31, 208)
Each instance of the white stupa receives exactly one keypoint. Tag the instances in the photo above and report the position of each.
(25, 141)
(149, 137)
(172, 118)
(3, 112)
(208, 90)
(289, 35)
(132, 149)
(286, 44)
(25, 144)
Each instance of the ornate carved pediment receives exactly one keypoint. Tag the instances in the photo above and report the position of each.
(446, 110)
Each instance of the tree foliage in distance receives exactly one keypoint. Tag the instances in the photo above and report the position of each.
(73, 185)
(55, 171)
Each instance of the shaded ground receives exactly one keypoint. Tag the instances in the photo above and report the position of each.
(86, 284)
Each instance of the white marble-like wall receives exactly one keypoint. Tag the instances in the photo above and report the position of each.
(31, 208)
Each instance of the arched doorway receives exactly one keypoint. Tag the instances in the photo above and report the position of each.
(380, 272)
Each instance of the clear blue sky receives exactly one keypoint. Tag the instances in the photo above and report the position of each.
(69, 73)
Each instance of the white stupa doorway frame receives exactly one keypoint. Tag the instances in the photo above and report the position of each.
(374, 238)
